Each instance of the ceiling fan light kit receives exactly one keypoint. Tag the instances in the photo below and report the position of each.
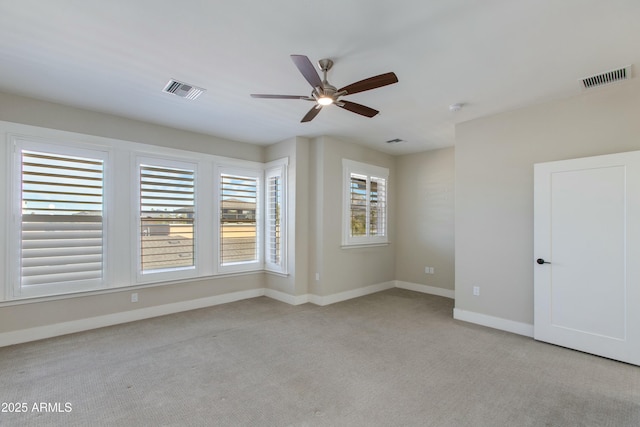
(325, 100)
(324, 93)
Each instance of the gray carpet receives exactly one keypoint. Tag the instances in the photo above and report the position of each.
(395, 358)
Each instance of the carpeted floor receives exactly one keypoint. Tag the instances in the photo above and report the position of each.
(395, 358)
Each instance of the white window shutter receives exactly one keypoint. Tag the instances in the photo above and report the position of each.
(238, 219)
(61, 222)
(378, 207)
(274, 202)
(167, 218)
(365, 204)
(358, 188)
(275, 223)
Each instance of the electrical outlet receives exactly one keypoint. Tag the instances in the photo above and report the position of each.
(426, 270)
(134, 297)
(476, 291)
(431, 270)
(317, 277)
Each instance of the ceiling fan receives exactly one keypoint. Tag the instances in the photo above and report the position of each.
(324, 93)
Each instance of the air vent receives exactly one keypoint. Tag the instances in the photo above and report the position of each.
(183, 90)
(606, 78)
(395, 141)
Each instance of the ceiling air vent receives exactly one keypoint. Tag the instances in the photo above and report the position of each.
(606, 78)
(183, 90)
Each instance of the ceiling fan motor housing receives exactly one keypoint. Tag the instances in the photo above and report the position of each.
(325, 64)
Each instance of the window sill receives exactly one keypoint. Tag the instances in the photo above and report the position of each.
(276, 273)
(364, 245)
(116, 289)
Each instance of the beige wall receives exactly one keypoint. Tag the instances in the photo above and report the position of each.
(297, 151)
(16, 316)
(33, 112)
(341, 269)
(494, 159)
(424, 225)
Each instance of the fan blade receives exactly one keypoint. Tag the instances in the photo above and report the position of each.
(358, 108)
(257, 95)
(370, 83)
(311, 114)
(307, 69)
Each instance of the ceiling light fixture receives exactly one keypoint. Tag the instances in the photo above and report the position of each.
(455, 107)
(325, 100)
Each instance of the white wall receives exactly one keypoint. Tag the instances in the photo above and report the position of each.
(494, 160)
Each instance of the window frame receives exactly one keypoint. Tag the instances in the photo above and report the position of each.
(368, 171)
(278, 169)
(171, 273)
(248, 172)
(121, 208)
(18, 143)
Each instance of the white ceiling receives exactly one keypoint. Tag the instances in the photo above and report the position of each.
(492, 55)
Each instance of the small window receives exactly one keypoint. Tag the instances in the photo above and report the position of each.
(167, 217)
(275, 210)
(239, 226)
(365, 204)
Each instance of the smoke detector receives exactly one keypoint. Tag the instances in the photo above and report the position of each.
(183, 90)
(606, 78)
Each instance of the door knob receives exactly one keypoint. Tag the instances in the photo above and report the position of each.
(541, 261)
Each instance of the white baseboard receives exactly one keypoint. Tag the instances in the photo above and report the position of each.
(286, 298)
(494, 322)
(56, 329)
(354, 293)
(426, 289)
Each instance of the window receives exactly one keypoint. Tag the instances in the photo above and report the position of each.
(275, 235)
(365, 204)
(167, 216)
(61, 227)
(85, 213)
(239, 225)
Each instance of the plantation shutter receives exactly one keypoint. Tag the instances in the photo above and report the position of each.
(273, 218)
(364, 217)
(238, 219)
(167, 218)
(358, 205)
(61, 222)
(377, 207)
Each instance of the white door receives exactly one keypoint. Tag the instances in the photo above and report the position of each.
(587, 255)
